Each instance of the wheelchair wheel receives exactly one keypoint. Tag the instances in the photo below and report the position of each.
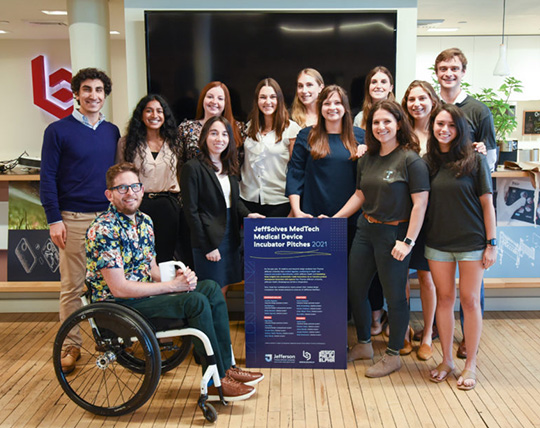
(173, 351)
(102, 383)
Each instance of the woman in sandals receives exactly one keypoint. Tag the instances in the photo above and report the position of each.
(460, 231)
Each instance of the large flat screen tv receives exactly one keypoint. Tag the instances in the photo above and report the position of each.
(185, 50)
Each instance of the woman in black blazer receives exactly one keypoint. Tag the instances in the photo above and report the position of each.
(212, 204)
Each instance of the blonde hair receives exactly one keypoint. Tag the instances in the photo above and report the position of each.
(298, 109)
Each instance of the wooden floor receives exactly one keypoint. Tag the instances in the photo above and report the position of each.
(507, 394)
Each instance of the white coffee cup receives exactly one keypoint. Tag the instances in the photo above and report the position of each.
(168, 269)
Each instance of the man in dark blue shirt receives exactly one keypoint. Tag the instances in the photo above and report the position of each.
(77, 151)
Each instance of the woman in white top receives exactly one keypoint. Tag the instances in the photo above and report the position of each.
(267, 149)
(309, 85)
(151, 143)
(379, 85)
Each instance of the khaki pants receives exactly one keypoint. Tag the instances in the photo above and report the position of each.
(73, 266)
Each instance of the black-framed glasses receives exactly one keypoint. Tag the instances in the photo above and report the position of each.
(123, 188)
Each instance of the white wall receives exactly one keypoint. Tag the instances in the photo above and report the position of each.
(23, 122)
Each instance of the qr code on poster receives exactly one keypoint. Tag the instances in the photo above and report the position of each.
(327, 356)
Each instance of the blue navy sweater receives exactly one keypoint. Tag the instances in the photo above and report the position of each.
(74, 160)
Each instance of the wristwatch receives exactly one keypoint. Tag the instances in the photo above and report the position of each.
(492, 242)
(409, 241)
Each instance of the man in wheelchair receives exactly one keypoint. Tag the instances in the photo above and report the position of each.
(121, 265)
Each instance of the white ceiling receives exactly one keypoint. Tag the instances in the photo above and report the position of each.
(472, 17)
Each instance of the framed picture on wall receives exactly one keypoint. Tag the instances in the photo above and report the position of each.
(531, 123)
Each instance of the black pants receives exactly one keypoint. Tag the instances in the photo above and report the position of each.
(281, 210)
(164, 210)
(371, 253)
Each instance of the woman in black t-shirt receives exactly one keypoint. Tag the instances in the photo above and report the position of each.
(460, 230)
(392, 189)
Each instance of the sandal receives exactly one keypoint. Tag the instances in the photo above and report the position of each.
(441, 368)
(467, 375)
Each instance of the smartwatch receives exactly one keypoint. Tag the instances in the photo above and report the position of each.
(409, 241)
(492, 242)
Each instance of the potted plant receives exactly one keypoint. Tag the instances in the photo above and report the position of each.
(504, 117)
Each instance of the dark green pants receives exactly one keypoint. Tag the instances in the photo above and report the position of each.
(205, 309)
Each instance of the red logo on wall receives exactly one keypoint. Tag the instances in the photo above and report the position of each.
(52, 95)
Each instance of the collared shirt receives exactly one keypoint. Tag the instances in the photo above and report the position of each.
(84, 120)
(461, 97)
(115, 241)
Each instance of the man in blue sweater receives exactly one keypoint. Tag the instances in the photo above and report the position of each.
(76, 153)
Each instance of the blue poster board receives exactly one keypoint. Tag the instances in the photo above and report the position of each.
(296, 293)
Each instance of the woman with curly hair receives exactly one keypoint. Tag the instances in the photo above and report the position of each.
(392, 189)
(151, 143)
(267, 148)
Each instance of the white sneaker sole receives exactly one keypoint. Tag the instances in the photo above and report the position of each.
(254, 381)
(237, 398)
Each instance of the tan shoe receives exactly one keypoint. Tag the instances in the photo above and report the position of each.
(407, 344)
(462, 350)
(360, 351)
(244, 376)
(386, 365)
(232, 390)
(70, 355)
(425, 352)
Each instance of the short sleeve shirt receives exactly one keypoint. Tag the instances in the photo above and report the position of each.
(387, 183)
(115, 241)
(455, 219)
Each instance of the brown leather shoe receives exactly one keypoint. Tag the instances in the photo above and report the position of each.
(232, 390)
(360, 351)
(244, 376)
(418, 336)
(407, 344)
(462, 350)
(386, 365)
(70, 355)
(425, 352)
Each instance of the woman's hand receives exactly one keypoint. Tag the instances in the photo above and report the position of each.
(323, 216)
(214, 256)
(480, 148)
(256, 215)
(361, 150)
(490, 256)
(300, 214)
(401, 250)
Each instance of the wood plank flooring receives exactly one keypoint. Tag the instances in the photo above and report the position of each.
(507, 394)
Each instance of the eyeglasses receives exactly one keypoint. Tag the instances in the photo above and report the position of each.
(123, 188)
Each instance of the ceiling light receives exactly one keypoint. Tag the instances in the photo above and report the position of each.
(502, 68)
(54, 12)
(114, 32)
(442, 30)
(3, 32)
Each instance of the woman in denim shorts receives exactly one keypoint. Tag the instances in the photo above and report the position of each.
(460, 231)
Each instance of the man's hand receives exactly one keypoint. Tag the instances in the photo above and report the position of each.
(185, 280)
(58, 234)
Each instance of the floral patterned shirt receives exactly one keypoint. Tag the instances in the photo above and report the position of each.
(113, 240)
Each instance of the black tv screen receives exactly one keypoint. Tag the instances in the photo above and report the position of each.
(186, 50)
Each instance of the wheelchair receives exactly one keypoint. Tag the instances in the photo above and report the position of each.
(123, 355)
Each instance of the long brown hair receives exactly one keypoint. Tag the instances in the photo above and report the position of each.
(229, 156)
(227, 111)
(368, 101)
(428, 89)
(280, 119)
(405, 136)
(318, 136)
(461, 158)
(298, 109)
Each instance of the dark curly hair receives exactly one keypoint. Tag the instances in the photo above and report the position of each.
(405, 136)
(91, 73)
(229, 157)
(136, 131)
(461, 158)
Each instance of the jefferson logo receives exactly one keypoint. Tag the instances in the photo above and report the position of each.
(268, 358)
(54, 96)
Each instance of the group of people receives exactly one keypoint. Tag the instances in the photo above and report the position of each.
(187, 188)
